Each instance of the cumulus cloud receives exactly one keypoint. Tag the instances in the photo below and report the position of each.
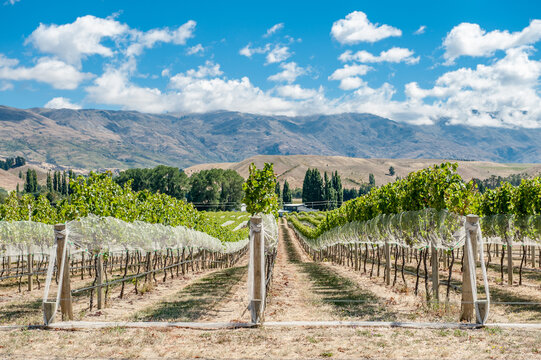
(420, 30)
(278, 54)
(274, 29)
(54, 72)
(349, 76)
(393, 55)
(149, 38)
(72, 42)
(289, 74)
(248, 50)
(500, 94)
(297, 92)
(61, 103)
(4, 86)
(197, 49)
(469, 39)
(356, 28)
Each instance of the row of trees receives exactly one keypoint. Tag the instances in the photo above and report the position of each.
(322, 193)
(11, 163)
(214, 189)
(285, 196)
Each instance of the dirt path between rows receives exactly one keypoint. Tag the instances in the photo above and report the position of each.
(291, 297)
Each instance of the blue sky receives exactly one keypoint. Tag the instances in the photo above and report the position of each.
(470, 62)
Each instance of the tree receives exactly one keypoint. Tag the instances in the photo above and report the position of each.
(371, 180)
(286, 193)
(49, 182)
(278, 193)
(350, 194)
(313, 189)
(64, 189)
(337, 186)
(55, 181)
(259, 190)
(31, 183)
(391, 171)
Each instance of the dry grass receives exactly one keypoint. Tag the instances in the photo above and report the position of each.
(295, 343)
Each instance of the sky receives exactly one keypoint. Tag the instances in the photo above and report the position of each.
(463, 62)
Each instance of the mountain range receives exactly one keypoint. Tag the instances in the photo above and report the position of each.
(92, 139)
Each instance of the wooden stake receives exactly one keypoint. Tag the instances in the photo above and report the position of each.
(509, 262)
(99, 281)
(30, 266)
(387, 262)
(467, 308)
(259, 270)
(435, 274)
(66, 306)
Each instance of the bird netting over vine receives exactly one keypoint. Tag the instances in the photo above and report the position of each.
(421, 229)
(107, 234)
(512, 229)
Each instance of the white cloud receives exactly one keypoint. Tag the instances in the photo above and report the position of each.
(394, 55)
(356, 28)
(4, 86)
(73, 42)
(61, 103)
(248, 50)
(47, 70)
(197, 49)
(290, 73)
(420, 30)
(114, 88)
(274, 29)
(469, 39)
(501, 94)
(209, 70)
(11, 2)
(278, 54)
(150, 38)
(349, 76)
(297, 92)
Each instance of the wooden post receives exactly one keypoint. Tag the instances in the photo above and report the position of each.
(467, 308)
(509, 262)
(387, 262)
(532, 249)
(435, 274)
(356, 257)
(258, 262)
(66, 306)
(99, 281)
(30, 266)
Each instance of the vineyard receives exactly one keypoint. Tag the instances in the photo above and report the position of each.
(427, 251)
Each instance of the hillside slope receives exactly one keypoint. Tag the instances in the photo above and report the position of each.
(354, 171)
(92, 139)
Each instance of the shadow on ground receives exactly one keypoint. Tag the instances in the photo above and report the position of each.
(347, 298)
(195, 300)
(22, 313)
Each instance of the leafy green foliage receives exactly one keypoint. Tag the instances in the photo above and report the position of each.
(259, 190)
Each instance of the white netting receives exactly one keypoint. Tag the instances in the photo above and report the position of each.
(107, 234)
(25, 237)
(511, 229)
(415, 229)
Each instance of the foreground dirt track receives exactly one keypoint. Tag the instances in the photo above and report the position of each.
(292, 343)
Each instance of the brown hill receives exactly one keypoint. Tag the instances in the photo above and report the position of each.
(354, 171)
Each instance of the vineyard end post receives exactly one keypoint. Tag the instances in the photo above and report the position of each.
(468, 288)
(66, 305)
(258, 262)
